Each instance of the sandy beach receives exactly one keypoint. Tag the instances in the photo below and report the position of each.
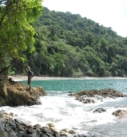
(24, 78)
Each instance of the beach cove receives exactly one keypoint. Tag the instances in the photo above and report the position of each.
(67, 113)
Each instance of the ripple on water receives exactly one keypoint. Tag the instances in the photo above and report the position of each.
(117, 129)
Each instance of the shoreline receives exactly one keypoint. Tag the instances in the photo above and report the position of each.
(36, 78)
(72, 109)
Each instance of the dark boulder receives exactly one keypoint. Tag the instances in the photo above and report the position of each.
(3, 133)
(99, 110)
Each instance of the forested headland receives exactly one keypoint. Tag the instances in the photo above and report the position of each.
(68, 45)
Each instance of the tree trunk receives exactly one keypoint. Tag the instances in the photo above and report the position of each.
(3, 87)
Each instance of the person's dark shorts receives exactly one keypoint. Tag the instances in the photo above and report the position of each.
(29, 80)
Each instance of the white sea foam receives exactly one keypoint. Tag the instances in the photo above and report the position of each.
(64, 112)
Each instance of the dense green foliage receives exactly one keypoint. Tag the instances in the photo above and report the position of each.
(16, 30)
(69, 45)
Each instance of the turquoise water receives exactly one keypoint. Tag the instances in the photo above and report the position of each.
(66, 112)
(75, 85)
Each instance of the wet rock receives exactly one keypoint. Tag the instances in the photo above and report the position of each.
(120, 113)
(86, 101)
(99, 110)
(65, 130)
(43, 135)
(51, 125)
(1, 115)
(63, 133)
(86, 96)
(56, 134)
(46, 130)
(71, 132)
(7, 128)
(12, 134)
(18, 122)
(53, 129)
(3, 133)
(20, 133)
(37, 126)
(29, 126)
(17, 94)
(2, 125)
(70, 94)
(11, 114)
(49, 134)
(30, 131)
(102, 92)
(32, 135)
(11, 122)
(20, 127)
(15, 128)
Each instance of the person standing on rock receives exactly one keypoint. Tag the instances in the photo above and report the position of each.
(30, 75)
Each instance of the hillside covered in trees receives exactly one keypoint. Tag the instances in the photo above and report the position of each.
(71, 46)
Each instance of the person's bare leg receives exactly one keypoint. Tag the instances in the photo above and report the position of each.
(29, 86)
(29, 83)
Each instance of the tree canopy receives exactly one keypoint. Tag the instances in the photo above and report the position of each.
(16, 30)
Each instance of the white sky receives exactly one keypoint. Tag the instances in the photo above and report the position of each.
(110, 13)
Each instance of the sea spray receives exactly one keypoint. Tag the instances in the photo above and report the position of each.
(64, 112)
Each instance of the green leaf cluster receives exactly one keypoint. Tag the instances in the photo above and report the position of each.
(16, 29)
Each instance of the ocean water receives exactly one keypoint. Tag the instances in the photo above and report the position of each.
(67, 113)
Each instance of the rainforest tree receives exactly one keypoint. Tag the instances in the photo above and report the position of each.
(16, 30)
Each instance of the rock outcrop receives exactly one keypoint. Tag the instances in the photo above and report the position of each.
(99, 110)
(88, 96)
(120, 113)
(10, 127)
(17, 94)
(103, 92)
